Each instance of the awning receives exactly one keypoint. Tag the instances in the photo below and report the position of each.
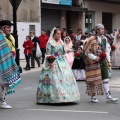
(61, 7)
(106, 1)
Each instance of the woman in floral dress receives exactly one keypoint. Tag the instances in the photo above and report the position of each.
(57, 83)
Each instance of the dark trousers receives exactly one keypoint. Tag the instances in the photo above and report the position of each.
(33, 58)
(27, 57)
(43, 50)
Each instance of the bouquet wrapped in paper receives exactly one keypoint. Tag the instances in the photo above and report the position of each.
(51, 59)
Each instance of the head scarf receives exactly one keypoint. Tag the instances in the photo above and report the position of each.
(51, 39)
(98, 26)
(69, 45)
(81, 47)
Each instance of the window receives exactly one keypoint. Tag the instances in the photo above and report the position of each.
(31, 27)
(89, 21)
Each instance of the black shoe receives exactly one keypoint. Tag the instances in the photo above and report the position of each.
(25, 68)
(38, 65)
(28, 69)
(32, 67)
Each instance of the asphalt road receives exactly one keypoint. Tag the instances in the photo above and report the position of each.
(25, 107)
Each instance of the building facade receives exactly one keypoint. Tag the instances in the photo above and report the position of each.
(28, 18)
(83, 14)
(46, 14)
(63, 15)
(106, 12)
(28, 10)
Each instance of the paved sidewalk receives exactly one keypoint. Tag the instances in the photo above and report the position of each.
(23, 64)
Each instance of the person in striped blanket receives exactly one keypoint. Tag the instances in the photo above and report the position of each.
(9, 72)
(97, 61)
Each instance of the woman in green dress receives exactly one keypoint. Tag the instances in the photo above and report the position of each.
(57, 83)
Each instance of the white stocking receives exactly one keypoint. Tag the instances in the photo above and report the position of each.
(106, 87)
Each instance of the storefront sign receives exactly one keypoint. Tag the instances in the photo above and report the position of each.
(65, 2)
(59, 2)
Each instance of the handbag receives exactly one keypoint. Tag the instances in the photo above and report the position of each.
(38, 51)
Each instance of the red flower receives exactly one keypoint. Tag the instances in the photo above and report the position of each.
(77, 54)
(51, 59)
(103, 56)
(113, 48)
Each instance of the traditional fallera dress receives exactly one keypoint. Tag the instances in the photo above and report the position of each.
(96, 71)
(57, 84)
(69, 55)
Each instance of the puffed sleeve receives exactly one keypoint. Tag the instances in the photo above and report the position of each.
(48, 49)
(108, 50)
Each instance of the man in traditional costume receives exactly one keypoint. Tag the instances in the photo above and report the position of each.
(9, 71)
(97, 59)
(5, 26)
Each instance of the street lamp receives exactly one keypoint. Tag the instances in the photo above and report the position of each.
(15, 4)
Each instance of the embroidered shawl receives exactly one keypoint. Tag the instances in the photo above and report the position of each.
(8, 67)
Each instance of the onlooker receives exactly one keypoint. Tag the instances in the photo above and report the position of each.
(48, 33)
(63, 35)
(28, 45)
(35, 41)
(43, 39)
(79, 34)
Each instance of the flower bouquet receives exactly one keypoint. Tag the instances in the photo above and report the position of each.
(77, 55)
(103, 56)
(113, 48)
(51, 59)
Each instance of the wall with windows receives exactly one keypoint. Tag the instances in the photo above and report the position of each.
(99, 8)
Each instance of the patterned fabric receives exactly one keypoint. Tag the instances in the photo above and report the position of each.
(8, 67)
(57, 84)
(93, 70)
(11, 42)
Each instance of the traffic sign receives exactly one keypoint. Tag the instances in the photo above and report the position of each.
(17, 3)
